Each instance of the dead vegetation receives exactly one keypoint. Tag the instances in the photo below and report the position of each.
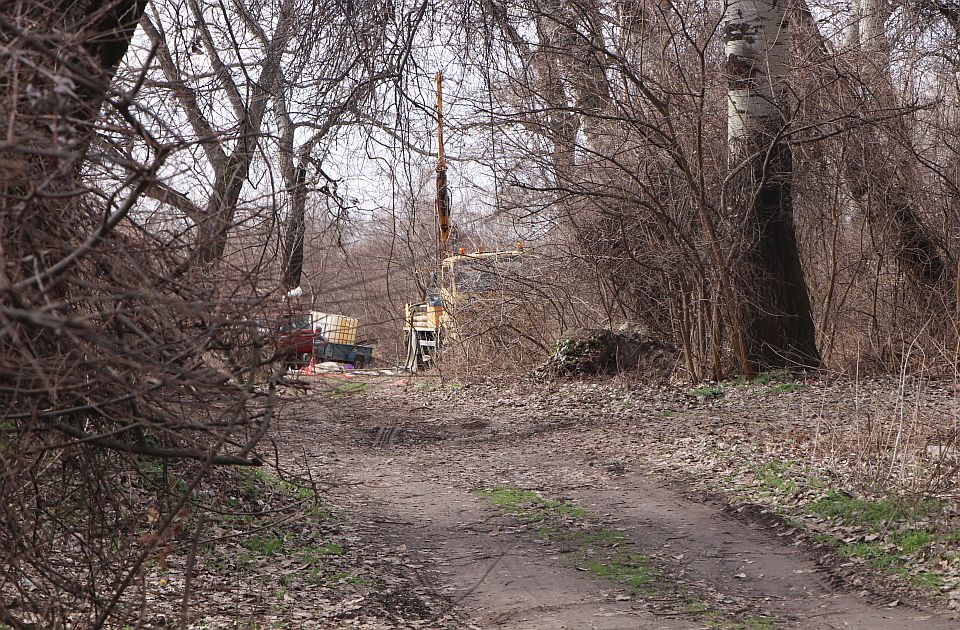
(603, 352)
(162, 189)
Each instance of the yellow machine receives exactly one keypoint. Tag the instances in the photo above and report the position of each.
(464, 284)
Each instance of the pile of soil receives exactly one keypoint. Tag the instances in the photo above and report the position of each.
(592, 352)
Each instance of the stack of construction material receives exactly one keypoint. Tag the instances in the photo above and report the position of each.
(335, 328)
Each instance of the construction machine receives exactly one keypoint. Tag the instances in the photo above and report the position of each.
(458, 282)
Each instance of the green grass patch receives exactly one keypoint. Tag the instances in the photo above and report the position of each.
(529, 505)
(706, 391)
(774, 382)
(777, 382)
(891, 554)
(629, 569)
(871, 513)
(873, 554)
(785, 388)
(773, 376)
(265, 546)
(892, 551)
(344, 577)
(316, 553)
(603, 552)
(699, 610)
(260, 548)
(925, 580)
(773, 476)
(256, 484)
(756, 622)
(351, 388)
(825, 539)
(912, 541)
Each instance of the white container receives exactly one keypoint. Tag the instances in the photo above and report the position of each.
(335, 328)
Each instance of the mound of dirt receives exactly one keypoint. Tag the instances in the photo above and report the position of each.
(591, 351)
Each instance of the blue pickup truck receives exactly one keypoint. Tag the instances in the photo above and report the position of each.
(324, 350)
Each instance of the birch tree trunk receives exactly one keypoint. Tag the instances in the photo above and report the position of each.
(774, 308)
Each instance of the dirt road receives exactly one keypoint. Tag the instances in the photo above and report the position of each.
(437, 480)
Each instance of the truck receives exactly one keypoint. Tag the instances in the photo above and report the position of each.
(464, 284)
(335, 339)
(322, 337)
(294, 338)
(358, 356)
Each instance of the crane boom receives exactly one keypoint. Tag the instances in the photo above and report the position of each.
(443, 195)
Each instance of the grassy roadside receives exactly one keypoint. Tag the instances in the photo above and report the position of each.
(865, 470)
(259, 551)
(767, 383)
(899, 535)
(912, 542)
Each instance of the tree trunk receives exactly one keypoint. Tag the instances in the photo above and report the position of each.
(231, 170)
(58, 68)
(879, 175)
(100, 32)
(558, 123)
(774, 308)
(879, 171)
(570, 33)
(295, 231)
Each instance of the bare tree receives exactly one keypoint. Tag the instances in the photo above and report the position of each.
(230, 170)
(775, 310)
(109, 342)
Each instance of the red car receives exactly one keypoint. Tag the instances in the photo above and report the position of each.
(295, 340)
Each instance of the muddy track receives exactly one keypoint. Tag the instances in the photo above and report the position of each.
(414, 471)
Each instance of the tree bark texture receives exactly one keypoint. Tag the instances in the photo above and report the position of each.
(775, 315)
(59, 60)
(295, 231)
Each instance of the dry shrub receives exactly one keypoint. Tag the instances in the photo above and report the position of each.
(105, 326)
(891, 433)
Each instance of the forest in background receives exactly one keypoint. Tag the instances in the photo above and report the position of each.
(775, 190)
(761, 184)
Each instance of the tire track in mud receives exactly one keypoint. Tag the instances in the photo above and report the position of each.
(498, 576)
(415, 475)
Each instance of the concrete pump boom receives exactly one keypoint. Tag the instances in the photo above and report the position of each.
(443, 195)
